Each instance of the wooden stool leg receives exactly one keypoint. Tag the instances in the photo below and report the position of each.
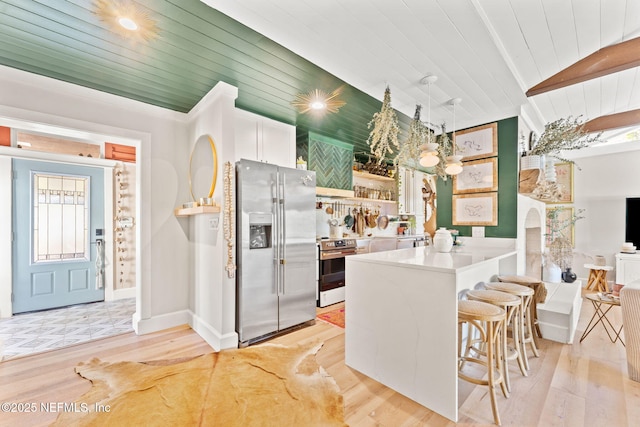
(530, 329)
(522, 335)
(491, 372)
(603, 286)
(515, 331)
(501, 357)
(592, 281)
(505, 354)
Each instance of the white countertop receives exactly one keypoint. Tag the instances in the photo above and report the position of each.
(426, 258)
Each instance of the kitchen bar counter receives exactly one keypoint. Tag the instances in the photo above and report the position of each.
(401, 323)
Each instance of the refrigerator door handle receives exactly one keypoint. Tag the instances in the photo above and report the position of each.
(283, 232)
(275, 236)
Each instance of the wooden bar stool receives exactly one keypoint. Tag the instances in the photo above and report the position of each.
(511, 304)
(539, 296)
(487, 320)
(597, 280)
(526, 323)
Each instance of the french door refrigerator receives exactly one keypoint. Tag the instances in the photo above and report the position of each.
(276, 249)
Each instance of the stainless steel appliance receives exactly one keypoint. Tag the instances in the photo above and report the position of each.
(276, 284)
(332, 283)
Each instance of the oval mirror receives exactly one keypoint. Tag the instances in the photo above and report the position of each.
(203, 168)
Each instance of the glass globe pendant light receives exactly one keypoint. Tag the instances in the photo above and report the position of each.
(429, 151)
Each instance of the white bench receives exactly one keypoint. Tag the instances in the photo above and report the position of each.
(558, 315)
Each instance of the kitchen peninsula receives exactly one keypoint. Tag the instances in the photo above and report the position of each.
(401, 322)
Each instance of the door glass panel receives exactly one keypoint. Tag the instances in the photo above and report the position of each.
(60, 217)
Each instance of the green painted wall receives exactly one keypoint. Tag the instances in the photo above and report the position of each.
(507, 187)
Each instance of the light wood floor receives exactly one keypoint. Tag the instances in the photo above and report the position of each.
(569, 385)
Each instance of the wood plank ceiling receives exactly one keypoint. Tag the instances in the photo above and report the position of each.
(487, 52)
(197, 46)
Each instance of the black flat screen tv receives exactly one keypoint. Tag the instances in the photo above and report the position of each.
(632, 221)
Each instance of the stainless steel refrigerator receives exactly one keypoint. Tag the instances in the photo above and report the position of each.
(276, 285)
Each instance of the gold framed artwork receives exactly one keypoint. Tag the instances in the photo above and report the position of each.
(562, 217)
(477, 143)
(477, 176)
(475, 209)
(564, 180)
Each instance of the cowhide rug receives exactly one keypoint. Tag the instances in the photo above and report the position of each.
(265, 385)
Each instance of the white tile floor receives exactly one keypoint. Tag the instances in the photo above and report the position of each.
(30, 333)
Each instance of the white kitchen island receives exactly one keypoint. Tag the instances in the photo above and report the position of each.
(401, 317)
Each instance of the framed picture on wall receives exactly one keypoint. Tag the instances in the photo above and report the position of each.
(477, 176)
(475, 209)
(559, 218)
(477, 143)
(564, 179)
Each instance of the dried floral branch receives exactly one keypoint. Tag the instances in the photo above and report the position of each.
(409, 152)
(445, 149)
(548, 191)
(560, 249)
(556, 225)
(385, 130)
(564, 134)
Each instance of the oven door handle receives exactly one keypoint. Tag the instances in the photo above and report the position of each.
(335, 255)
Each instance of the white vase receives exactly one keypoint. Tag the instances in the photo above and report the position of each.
(442, 241)
(530, 162)
(550, 168)
(552, 273)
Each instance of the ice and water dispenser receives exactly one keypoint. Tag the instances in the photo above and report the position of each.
(260, 230)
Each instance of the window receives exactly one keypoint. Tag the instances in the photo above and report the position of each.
(60, 217)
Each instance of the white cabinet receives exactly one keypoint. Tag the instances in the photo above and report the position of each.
(406, 191)
(627, 268)
(410, 199)
(265, 140)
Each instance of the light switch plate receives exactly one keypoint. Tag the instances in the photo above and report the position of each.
(214, 222)
(477, 231)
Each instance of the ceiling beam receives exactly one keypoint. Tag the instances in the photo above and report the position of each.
(608, 60)
(613, 121)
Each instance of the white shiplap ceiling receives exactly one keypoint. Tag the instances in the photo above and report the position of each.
(487, 52)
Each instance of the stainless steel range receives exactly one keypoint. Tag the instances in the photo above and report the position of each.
(331, 282)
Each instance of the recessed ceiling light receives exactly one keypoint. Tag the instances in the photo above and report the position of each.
(127, 19)
(319, 101)
(318, 105)
(128, 23)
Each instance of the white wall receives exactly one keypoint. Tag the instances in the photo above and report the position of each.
(213, 296)
(163, 142)
(601, 188)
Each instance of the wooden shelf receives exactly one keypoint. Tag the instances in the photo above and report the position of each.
(367, 200)
(367, 175)
(182, 212)
(334, 192)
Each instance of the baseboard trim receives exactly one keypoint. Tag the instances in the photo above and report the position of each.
(212, 336)
(124, 293)
(159, 323)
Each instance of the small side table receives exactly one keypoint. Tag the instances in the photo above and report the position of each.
(602, 318)
(597, 280)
